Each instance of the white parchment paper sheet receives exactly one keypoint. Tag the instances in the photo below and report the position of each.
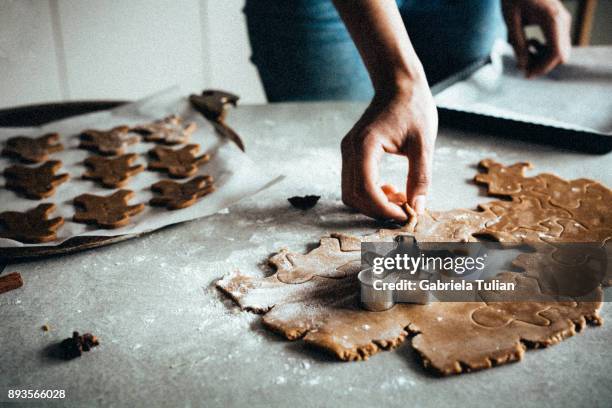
(236, 176)
(576, 95)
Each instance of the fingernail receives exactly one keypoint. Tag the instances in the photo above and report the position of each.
(419, 204)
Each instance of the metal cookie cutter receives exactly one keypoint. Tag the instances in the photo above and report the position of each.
(378, 300)
(375, 300)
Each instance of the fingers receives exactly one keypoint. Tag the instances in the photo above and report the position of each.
(360, 190)
(419, 177)
(556, 28)
(516, 36)
(348, 176)
(375, 203)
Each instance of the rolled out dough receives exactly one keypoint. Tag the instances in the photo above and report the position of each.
(315, 296)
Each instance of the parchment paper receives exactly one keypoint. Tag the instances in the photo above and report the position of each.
(576, 95)
(236, 176)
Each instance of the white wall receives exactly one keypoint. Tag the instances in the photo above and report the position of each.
(229, 50)
(54, 50)
(28, 59)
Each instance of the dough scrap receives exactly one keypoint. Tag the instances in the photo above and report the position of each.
(321, 305)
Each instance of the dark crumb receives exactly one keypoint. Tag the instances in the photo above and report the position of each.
(74, 346)
(305, 202)
(45, 327)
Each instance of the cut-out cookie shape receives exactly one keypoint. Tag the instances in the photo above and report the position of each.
(170, 130)
(567, 271)
(527, 303)
(108, 142)
(432, 226)
(504, 180)
(545, 207)
(325, 260)
(526, 218)
(112, 172)
(449, 341)
(452, 226)
(510, 181)
(571, 230)
(562, 193)
(179, 163)
(32, 150)
(32, 226)
(35, 182)
(595, 210)
(112, 211)
(175, 195)
(350, 242)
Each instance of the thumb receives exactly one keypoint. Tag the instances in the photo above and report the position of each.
(419, 177)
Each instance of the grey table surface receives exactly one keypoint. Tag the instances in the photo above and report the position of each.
(169, 338)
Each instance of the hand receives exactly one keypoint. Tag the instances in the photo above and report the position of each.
(555, 22)
(405, 123)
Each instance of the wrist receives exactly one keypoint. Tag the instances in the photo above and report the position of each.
(400, 83)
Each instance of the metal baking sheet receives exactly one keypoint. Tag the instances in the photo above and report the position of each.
(569, 108)
(236, 176)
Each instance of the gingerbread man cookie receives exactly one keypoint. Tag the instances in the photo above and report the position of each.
(179, 163)
(32, 226)
(175, 195)
(112, 172)
(170, 130)
(111, 211)
(35, 182)
(108, 142)
(32, 150)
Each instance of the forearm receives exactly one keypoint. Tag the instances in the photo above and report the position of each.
(378, 31)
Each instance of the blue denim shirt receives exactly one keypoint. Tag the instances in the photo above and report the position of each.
(303, 51)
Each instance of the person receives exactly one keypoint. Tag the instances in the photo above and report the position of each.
(303, 51)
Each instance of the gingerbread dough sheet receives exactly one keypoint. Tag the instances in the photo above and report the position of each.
(236, 176)
(315, 296)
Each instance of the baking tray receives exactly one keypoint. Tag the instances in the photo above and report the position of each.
(36, 115)
(588, 142)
